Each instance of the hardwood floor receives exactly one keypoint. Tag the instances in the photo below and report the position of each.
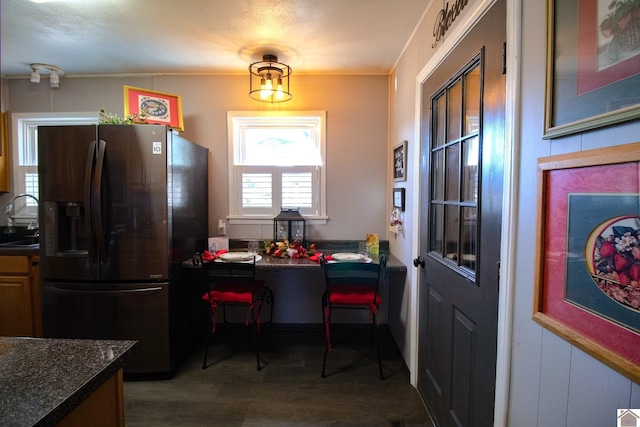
(287, 392)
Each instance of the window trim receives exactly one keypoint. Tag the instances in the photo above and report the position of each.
(22, 125)
(234, 186)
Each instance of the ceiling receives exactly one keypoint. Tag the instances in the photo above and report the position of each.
(97, 37)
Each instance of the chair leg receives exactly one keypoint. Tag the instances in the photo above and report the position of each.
(256, 344)
(326, 323)
(270, 300)
(376, 344)
(207, 343)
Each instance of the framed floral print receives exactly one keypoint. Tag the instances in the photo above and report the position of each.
(593, 64)
(587, 265)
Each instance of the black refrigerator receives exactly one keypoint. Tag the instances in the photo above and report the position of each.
(120, 207)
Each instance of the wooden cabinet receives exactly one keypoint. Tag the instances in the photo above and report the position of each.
(20, 296)
(104, 407)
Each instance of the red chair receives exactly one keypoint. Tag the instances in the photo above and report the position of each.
(235, 284)
(351, 285)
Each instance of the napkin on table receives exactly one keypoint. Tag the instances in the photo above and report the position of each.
(316, 257)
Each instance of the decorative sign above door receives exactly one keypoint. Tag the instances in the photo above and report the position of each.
(445, 19)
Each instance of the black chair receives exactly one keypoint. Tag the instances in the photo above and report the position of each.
(235, 284)
(351, 285)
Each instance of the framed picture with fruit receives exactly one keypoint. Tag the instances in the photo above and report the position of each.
(587, 263)
(593, 64)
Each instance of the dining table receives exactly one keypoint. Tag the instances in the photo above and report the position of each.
(298, 283)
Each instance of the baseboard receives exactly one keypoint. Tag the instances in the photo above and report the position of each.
(315, 327)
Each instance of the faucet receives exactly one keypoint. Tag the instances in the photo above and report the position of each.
(9, 210)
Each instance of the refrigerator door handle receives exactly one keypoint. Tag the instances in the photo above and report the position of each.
(88, 180)
(66, 291)
(96, 202)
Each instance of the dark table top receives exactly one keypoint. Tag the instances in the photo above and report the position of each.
(42, 380)
(268, 262)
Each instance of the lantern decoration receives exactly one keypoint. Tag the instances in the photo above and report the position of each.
(289, 225)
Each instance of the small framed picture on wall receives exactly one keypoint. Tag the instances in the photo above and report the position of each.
(398, 198)
(400, 162)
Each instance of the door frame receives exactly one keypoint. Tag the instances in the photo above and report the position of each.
(509, 198)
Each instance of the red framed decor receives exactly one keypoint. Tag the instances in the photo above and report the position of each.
(159, 108)
(587, 265)
(593, 65)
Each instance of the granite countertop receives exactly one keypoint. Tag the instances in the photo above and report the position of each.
(43, 380)
(268, 262)
(19, 251)
(20, 234)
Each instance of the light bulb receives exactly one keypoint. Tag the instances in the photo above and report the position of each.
(54, 79)
(263, 89)
(279, 92)
(35, 75)
(266, 87)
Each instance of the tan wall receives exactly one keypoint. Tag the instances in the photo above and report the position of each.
(357, 117)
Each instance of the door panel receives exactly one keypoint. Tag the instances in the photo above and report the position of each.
(63, 153)
(135, 200)
(112, 311)
(461, 206)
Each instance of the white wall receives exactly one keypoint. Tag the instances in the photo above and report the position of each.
(357, 156)
(552, 382)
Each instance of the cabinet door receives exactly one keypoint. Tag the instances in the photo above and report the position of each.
(15, 306)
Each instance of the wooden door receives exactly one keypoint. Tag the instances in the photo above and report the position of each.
(463, 103)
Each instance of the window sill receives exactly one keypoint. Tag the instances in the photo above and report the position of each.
(266, 220)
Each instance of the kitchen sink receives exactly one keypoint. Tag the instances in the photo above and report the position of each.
(22, 242)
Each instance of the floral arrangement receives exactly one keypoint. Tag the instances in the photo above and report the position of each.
(132, 119)
(617, 265)
(285, 249)
(622, 24)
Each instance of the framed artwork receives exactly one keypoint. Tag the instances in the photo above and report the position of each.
(400, 162)
(398, 198)
(587, 264)
(593, 65)
(161, 108)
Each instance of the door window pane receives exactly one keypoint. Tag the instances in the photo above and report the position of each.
(440, 116)
(454, 118)
(470, 170)
(437, 228)
(469, 237)
(472, 101)
(437, 173)
(452, 178)
(451, 232)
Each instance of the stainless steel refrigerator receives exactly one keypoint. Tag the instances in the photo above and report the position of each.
(120, 207)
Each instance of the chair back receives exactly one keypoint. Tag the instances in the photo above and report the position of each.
(355, 276)
(231, 273)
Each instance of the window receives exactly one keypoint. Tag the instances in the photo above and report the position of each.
(455, 172)
(25, 155)
(276, 160)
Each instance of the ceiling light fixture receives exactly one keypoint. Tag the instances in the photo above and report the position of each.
(35, 75)
(54, 79)
(269, 80)
(53, 71)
